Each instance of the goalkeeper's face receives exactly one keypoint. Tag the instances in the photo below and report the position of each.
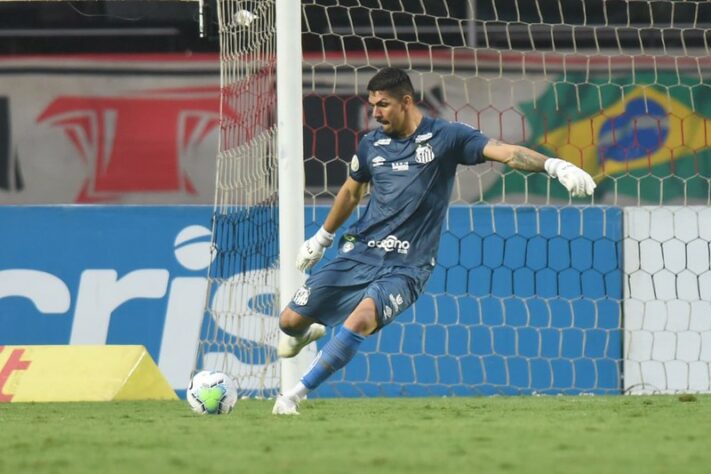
(390, 112)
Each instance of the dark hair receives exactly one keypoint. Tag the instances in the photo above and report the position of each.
(392, 80)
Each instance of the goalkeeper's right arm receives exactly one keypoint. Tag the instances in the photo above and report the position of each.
(577, 181)
(346, 200)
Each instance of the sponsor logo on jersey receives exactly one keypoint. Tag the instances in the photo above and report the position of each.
(378, 161)
(382, 141)
(390, 243)
(302, 296)
(401, 166)
(424, 153)
(423, 137)
(387, 312)
(355, 164)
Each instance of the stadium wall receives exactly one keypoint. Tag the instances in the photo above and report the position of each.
(143, 128)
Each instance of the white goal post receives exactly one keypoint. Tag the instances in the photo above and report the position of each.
(533, 292)
(291, 170)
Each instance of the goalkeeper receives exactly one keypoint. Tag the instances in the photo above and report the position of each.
(385, 259)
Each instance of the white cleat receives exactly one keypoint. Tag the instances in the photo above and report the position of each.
(285, 406)
(289, 346)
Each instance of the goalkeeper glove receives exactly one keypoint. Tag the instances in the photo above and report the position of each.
(312, 250)
(578, 182)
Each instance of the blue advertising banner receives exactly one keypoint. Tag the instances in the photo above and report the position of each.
(104, 275)
(522, 300)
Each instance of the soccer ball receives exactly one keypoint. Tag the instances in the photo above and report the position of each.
(212, 393)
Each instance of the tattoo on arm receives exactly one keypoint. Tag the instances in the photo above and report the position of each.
(527, 160)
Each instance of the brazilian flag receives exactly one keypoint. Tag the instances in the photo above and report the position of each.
(646, 136)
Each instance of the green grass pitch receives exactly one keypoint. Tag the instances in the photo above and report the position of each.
(610, 434)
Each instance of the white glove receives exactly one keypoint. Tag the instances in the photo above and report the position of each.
(578, 182)
(312, 250)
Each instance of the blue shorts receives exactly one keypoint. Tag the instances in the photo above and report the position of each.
(331, 294)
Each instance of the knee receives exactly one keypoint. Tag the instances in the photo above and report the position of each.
(292, 323)
(364, 319)
(364, 327)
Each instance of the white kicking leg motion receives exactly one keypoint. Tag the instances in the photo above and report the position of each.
(289, 346)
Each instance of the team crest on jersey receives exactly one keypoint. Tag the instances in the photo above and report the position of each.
(349, 243)
(302, 296)
(424, 153)
(355, 164)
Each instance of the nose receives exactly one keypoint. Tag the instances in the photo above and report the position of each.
(377, 113)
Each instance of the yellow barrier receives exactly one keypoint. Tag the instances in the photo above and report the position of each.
(80, 373)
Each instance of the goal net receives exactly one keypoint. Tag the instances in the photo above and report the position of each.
(240, 330)
(533, 292)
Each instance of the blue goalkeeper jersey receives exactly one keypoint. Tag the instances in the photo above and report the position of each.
(411, 183)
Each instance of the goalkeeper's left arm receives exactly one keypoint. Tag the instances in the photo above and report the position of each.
(577, 181)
